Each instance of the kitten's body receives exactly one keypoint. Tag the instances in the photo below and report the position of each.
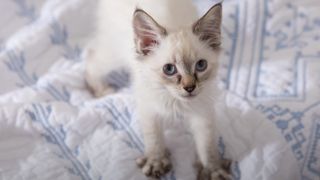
(160, 98)
(114, 46)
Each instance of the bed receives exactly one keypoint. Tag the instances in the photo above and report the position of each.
(51, 127)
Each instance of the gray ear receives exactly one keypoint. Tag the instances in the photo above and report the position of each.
(147, 31)
(208, 27)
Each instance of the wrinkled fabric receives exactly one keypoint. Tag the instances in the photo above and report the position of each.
(52, 128)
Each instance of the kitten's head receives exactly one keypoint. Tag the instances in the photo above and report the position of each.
(183, 62)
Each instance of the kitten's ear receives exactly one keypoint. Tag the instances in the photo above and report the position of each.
(148, 33)
(208, 28)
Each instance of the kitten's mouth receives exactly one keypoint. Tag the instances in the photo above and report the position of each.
(189, 96)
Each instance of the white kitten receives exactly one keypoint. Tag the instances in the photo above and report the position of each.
(173, 58)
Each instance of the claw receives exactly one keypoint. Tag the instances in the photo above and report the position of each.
(141, 161)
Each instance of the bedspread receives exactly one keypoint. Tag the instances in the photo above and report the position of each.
(52, 128)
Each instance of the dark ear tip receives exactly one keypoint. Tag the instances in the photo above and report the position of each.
(137, 11)
(218, 5)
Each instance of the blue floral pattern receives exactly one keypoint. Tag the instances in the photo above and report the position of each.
(270, 60)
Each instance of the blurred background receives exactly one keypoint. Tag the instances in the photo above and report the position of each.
(52, 128)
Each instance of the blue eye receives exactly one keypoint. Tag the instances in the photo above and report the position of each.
(201, 65)
(169, 69)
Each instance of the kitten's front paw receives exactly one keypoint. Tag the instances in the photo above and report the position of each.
(154, 165)
(219, 173)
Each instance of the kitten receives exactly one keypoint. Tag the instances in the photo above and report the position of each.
(173, 59)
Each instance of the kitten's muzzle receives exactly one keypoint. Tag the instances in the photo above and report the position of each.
(188, 83)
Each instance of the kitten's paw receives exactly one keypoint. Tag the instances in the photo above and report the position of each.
(219, 173)
(155, 166)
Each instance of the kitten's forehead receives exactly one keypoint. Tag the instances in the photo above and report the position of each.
(182, 47)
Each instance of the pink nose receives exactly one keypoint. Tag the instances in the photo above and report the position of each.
(189, 89)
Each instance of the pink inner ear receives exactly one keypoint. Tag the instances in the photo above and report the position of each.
(146, 43)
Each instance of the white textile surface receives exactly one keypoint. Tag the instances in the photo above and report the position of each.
(52, 128)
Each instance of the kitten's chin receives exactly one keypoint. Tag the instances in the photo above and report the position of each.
(187, 97)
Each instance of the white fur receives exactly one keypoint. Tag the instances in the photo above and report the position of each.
(113, 47)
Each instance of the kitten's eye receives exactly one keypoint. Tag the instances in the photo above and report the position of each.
(201, 65)
(169, 69)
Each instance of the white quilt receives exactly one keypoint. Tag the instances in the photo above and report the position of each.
(52, 128)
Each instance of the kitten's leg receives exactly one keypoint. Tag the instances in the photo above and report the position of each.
(156, 161)
(210, 165)
(97, 67)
